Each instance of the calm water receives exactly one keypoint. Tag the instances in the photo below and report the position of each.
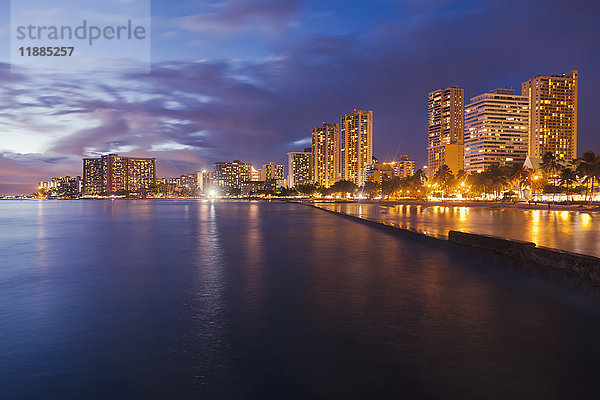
(184, 299)
(569, 230)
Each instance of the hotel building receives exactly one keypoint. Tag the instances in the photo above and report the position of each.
(404, 167)
(379, 172)
(205, 180)
(326, 150)
(553, 115)
(496, 130)
(273, 172)
(445, 130)
(114, 174)
(65, 186)
(230, 175)
(299, 168)
(356, 151)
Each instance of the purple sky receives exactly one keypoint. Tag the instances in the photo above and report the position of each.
(249, 79)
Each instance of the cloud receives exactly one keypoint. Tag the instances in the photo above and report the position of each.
(191, 114)
(234, 16)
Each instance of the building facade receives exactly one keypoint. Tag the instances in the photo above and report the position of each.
(553, 114)
(273, 172)
(299, 168)
(205, 180)
(64, 186)
(356, 145)
(114, 174)
(496, 130)
(377, 173)
(403, 167)
(230, 175)
(326, 158)
(445, 129)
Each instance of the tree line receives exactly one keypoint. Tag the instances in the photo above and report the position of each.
(552, 176)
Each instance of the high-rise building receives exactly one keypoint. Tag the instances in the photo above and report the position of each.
(445, 129)
(326, 150)
(553, 114)
(496, 130)
(356, 151)
(205, 180)
(299, 168)
(273, 172)
(114, 174)
(403, 167)
(230, 175)
(257, 174)
(64, 186)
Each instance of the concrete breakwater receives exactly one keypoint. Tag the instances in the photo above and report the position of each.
(584, 267)
(581, 265)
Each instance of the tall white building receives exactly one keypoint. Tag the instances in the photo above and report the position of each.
(496, 129)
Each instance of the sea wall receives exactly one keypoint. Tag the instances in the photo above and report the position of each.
(584, 267)
(581, 265)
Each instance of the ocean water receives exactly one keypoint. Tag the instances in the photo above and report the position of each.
(577, 231)
(240, 300)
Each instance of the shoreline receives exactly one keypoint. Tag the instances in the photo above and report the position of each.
(583, 267)
(497, 205)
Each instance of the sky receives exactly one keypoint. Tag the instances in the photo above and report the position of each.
(248, 79)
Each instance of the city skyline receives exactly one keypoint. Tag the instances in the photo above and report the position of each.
(201, 104)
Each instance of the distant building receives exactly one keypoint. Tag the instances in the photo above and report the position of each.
(404, 167)
(67, 186)
(176, 181)
(496, 130)
(230, 175)
(326, 154)
(273, 171)
(553, 114)
(257, 174)
(356, 147)
(299, 168)
(378, 172)
(256, 187)
(189, 182)
(114, 174)
(205, 180)
(445, 130)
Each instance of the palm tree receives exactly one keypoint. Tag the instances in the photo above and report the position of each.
(550, 166)
(496, 178)
(420, 177)
(371, 189)
(417, 183)
(343, 187)
(519, 176)
(568, 176)
(588, 168)
(443, 176)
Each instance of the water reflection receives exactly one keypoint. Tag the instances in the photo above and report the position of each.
(228, 300)
(567, 230)
(586, 220)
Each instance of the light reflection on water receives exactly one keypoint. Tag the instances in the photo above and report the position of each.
(569, 230)
(188, 299)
